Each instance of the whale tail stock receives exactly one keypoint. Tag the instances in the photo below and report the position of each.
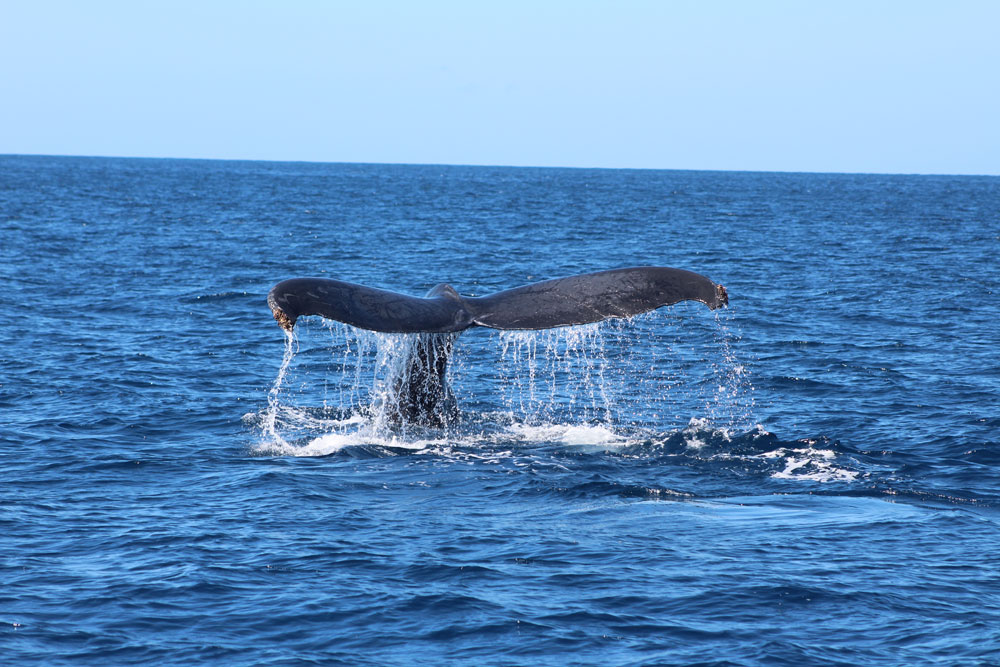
(581, 299)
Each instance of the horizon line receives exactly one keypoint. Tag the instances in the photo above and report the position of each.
(496, 166)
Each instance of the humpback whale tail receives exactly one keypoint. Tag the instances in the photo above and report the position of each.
(422, 391)
(581, 299)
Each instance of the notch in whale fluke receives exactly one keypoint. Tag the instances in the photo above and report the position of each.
(582, 299)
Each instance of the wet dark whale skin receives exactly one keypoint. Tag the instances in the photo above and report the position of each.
(581, 299)
(421, 392)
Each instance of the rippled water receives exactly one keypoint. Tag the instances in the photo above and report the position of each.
(807, 477)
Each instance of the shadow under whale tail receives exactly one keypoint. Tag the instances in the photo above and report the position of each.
(420, 389)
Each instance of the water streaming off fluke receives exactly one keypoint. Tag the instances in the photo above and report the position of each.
(595, 384)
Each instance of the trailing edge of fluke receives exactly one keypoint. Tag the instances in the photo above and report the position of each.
(582, 299)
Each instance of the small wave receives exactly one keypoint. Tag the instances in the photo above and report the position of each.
(359, 431)
(331, 443)
(216, 297)
(699, 432)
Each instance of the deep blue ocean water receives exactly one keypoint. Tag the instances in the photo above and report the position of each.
(811, 476)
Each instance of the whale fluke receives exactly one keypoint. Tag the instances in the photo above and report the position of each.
(581, 299)
(593, 297)
(367, 307)
(420, 389)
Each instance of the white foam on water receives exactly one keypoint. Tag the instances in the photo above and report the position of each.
(590, 435)
(353, 431)
(569, 434)
(696, 430)
(816, 465)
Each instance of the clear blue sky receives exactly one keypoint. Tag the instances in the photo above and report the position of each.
(901, 87)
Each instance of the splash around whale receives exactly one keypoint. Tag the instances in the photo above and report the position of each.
(420, 389)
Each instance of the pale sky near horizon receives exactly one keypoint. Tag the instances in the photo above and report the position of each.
(877, 86)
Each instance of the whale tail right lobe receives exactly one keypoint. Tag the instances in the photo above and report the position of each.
(593, 297)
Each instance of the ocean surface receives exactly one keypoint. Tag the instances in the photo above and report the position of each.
(808, 477)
